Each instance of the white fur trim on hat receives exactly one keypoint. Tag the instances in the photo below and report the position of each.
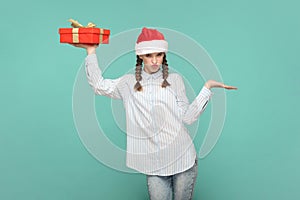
(151, 46)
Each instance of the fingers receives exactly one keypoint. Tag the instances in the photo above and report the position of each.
(85, 46)
(230, 87)
(77, 45)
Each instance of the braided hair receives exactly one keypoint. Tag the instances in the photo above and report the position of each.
(138, 72)
(165, 71)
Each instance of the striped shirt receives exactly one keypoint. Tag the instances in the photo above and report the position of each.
(158, 143)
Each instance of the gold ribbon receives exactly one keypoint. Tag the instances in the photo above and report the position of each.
(76, 24)
(101, 35)
(75, 35)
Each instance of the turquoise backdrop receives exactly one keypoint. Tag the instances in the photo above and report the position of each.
(255, 45)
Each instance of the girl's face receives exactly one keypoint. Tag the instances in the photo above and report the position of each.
(152, 61)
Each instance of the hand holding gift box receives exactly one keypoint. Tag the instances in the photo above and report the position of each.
(86, 35)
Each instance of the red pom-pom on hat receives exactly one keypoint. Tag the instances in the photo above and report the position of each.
(150, 41)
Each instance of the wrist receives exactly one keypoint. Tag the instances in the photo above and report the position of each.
(91, 51)
(207, 85)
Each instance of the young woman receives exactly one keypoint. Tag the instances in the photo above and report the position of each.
(158, 143)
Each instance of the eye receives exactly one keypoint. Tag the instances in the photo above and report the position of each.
(148, 55)
(160, 54)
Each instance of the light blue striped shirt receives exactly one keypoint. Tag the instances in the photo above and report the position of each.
(158, 143)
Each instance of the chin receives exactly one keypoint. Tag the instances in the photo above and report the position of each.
(155, 69)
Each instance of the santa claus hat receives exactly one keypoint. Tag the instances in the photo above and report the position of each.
(150, 41)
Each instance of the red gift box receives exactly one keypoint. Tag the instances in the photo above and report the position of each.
(84, 35)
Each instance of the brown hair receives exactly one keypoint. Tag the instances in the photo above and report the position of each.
(165, 71)
(138, 72)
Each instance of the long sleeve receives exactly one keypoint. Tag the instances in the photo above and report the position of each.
(101, 86)
(191, 112)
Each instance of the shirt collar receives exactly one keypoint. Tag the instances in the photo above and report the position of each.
(155, 75)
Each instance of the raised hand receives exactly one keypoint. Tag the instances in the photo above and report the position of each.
(90, 48)
(214, 84)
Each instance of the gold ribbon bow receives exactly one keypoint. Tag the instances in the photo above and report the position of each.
(76, 24)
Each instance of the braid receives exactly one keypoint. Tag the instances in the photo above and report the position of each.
(138, 72)
(165, 71)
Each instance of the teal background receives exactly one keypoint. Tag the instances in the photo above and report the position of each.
(255, 45)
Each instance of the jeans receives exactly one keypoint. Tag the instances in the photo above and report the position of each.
(180, 186)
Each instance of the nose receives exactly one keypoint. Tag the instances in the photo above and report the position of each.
(154, 60)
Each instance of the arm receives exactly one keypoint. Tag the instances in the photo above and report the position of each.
(101, 86)
(190, 112)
